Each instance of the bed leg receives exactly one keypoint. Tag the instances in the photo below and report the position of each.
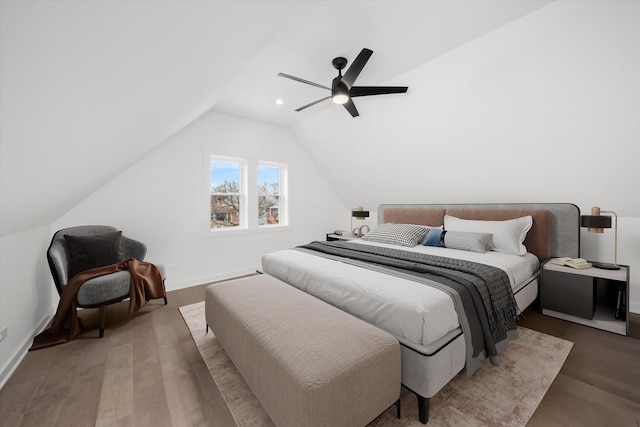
(207, 330)
(423, 408)
(398, 408)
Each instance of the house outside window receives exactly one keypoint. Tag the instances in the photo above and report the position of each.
(271, 193)
(233, 205)
(227, 198)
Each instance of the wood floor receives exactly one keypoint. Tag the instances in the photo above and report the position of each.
(147, 371)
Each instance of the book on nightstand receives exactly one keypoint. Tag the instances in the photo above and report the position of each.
(577, 263)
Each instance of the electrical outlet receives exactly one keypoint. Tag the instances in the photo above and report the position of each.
(3, 333)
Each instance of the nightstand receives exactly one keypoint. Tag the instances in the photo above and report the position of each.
(331, 237)
(592, 296)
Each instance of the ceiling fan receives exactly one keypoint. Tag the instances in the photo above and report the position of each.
(342, 88)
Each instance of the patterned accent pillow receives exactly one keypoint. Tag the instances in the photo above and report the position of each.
(396, 234)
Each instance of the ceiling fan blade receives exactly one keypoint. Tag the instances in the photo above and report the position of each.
(356, 67)
(376, 90)
(313, 103)
(298, 79)
(351, 108)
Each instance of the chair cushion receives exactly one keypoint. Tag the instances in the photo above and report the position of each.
(105, 288)
(86, 252)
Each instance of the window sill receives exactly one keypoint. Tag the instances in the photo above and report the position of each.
(244, 231)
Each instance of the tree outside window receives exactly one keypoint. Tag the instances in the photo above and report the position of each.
(233, 202)
(225, 193)
(268, 194)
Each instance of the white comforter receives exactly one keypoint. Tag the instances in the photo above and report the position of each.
(405, 308)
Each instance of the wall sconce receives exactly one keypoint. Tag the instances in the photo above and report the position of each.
(596, 223)
(359, 214)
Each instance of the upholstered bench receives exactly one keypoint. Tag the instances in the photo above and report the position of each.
(308, 363)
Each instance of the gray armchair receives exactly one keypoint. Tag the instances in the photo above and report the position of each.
(98, 292)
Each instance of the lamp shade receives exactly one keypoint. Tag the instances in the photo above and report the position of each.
(360, 214)
(595, 221)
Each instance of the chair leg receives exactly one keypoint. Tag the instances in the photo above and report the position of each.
(165, 292)
(103, 316)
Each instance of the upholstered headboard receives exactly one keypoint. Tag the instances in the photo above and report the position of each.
(555, 231)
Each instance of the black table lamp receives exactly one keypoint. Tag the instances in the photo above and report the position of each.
(359, 214)
(596, 223)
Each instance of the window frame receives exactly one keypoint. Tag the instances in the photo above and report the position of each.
(242, 186)
(249, 221)
(283, 208)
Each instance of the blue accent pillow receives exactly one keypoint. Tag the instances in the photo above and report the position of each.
(434, 237)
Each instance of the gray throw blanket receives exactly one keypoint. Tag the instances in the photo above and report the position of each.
(498, 310)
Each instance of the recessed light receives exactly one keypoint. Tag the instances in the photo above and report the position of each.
(279, 101)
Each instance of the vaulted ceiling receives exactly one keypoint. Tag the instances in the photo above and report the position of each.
(88, 88)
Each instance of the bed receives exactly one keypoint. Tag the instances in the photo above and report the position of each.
(375, 279)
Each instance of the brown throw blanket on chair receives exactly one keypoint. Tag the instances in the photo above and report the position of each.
(146, 284)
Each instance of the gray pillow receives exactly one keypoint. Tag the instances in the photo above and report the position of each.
(468, 241)
(87, 252)
(396, 234)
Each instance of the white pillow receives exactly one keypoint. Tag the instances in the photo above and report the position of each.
(508, 235)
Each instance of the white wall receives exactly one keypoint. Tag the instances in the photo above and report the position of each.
(82, 79)
(544, 109)
(25, 293)
(163, 200)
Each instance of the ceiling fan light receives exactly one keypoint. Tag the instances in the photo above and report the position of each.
(340, 98)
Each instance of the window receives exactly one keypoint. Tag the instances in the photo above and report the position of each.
(226, 193)
(235, 206)
(269, 194)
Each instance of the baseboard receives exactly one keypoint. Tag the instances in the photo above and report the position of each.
(18, 355)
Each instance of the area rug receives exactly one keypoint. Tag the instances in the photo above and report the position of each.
(507, 395)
